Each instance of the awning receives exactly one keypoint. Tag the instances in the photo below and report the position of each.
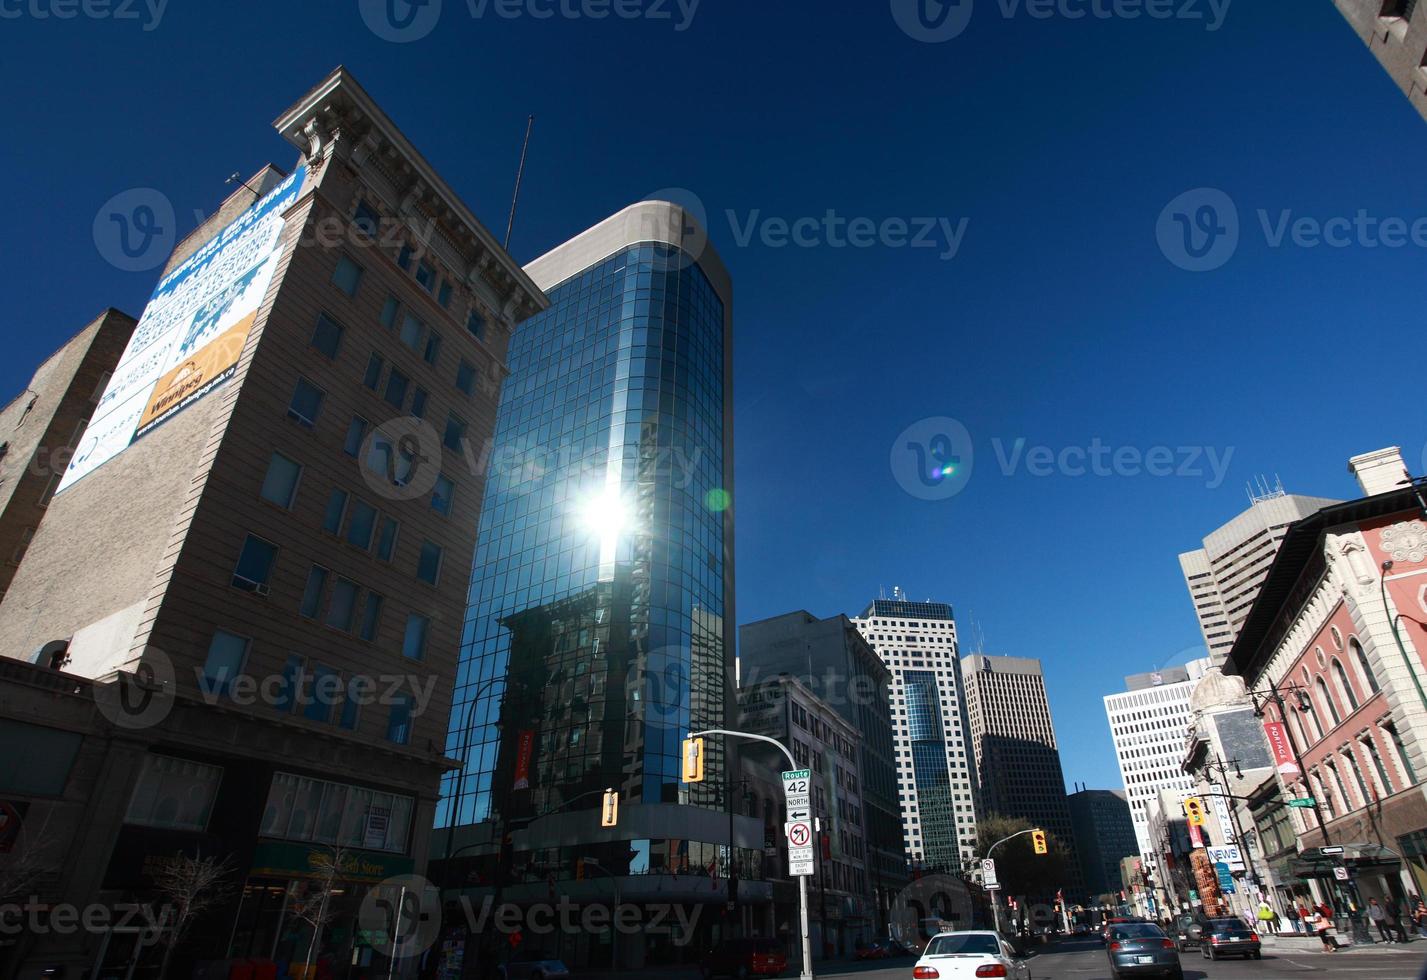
(1319, 862)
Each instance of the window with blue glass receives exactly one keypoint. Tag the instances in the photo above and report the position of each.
(306, 403)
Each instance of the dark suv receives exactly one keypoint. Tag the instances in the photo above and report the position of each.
(1189, 929)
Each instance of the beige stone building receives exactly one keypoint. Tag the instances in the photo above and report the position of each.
(41, 425)
(255, 567)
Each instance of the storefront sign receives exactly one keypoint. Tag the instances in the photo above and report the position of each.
(378, 820)
(285, 859)
(1277, 736)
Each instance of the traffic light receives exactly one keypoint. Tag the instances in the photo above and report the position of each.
(609, 813)
(693, 760)
(1038, 839)
(1194, 810)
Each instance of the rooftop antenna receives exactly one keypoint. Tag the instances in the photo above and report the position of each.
(1261, 490)
(237, 178)
(519, 173)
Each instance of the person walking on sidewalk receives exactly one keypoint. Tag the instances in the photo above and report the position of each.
(1394, 917)
(1378, 915)
(1419, 916)
(1323, 929)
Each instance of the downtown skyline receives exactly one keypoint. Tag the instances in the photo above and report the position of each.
(842, 349)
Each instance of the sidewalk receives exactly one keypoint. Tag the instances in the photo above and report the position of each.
(1300, 943)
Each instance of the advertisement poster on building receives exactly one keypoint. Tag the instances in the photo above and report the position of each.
(191, 333)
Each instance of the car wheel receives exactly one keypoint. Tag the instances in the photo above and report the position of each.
(1258, 955)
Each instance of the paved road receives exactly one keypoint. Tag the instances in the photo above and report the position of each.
(1086, 961)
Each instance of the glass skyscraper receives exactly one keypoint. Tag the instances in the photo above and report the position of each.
(598, 631)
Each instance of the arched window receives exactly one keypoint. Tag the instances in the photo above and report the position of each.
(1347, 801)
(1362, 658)
(1345, 686)
(1305, 703)
(1328, 700)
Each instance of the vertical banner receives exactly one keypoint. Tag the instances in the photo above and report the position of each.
(1277, 735)
(524, 748)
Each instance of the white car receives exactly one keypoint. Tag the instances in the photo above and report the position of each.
(971, 955)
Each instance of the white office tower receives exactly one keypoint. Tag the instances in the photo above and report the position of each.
(1149, 723)
(936, 769)
(1224, 576)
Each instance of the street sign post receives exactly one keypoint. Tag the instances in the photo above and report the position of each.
(797, 794)
(1305, 803)
(1331, 850)
(989, 881)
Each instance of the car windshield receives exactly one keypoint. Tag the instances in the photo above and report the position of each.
(963, 943)
(1137, 930)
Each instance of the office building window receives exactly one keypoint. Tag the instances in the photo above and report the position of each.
(347, 276)
(396, 385)
(413, 645)
(428, 565)
(455, 432)
(356, 432)
(280, 482)
(336, 508)
(371, 617)
(255, 565)
(362, 523)
(442, 495)
(342, 607)
(312, 592)
(398, 726)
(373, 377)
(227, 655)
(306, 403)
(327, 336)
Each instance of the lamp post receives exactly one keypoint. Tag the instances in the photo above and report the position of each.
(807, 971)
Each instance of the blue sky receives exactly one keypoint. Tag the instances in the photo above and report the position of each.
(1050, 148)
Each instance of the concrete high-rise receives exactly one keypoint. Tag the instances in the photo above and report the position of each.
(833, 660)
(256, 564)
(1104, 836)
(1395, 31)
(1017, 757)
(1224, 576)
(936, 765)
(1149, 723)
(599, 629)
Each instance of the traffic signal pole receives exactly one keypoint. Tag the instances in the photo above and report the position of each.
(807, 972)
(995, 901)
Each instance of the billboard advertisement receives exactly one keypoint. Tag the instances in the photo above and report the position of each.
(191, 332)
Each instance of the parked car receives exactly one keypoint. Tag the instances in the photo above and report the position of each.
(745, 958)
(535, 970)
(1230, 937)
(969, 955)
(1141, 948)
(870, 951)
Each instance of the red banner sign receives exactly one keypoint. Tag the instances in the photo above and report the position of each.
(1277, 735)
(524, 750)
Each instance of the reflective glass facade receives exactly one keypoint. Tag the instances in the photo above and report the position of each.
(595, 632)
(928, 746)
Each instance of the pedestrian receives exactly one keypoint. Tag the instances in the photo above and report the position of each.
(1419, 916)
(1290, 915)
(1394, 917)
(1378, 915)
(1305, 917)
(1323, 929)
(1266, 916)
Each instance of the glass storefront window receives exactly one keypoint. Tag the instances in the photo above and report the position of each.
(176, 794)
(305, 809)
